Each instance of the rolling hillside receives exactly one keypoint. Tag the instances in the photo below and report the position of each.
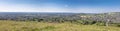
(44, 26)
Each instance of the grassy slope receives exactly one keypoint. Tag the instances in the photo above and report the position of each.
(40, 26)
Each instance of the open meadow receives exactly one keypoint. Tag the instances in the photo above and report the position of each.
(45, 26)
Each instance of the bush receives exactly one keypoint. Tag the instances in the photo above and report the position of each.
(85, 22)
(118, 25)
(100, 23)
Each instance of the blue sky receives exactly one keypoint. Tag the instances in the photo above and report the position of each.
(74, 6)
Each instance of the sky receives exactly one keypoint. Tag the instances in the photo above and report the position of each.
(72, 6)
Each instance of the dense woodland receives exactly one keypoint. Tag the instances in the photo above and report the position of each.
(79, 18)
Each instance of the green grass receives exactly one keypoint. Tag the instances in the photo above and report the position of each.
(44, 26)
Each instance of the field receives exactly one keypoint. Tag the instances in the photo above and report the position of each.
(44, 26)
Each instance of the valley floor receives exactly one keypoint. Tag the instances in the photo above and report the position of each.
(41, 26)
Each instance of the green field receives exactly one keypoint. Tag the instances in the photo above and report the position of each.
(44, 26)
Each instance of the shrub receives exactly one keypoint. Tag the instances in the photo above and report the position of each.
(118, 25)
(85, 22)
